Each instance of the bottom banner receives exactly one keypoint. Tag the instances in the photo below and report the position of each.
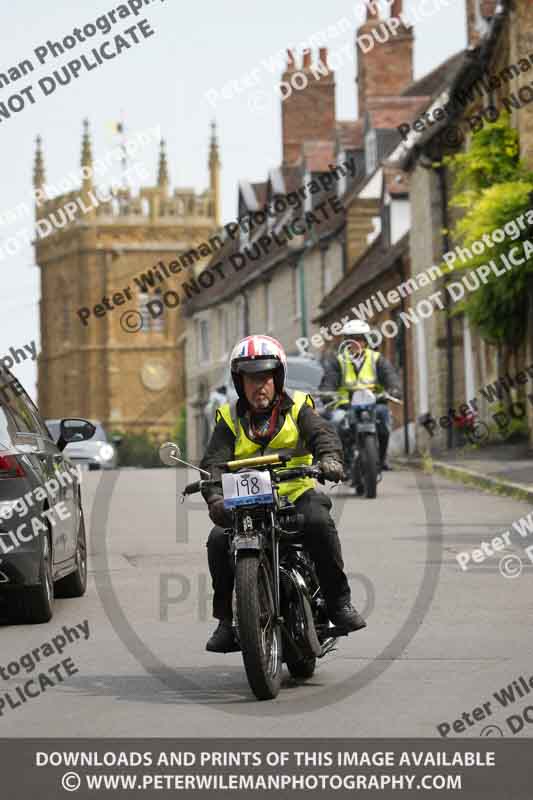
(282, 768)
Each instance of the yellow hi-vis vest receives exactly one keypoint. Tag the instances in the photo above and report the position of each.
(367, 378)
(287, 442)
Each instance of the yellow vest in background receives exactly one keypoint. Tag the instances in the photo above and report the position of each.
(366, 379)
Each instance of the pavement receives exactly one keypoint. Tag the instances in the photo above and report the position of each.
(504, 468)
(440, 640)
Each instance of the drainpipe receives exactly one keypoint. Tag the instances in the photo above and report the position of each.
(450, 383)
(301, 287)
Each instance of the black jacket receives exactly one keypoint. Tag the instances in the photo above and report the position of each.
(332, 378)
(319, 436)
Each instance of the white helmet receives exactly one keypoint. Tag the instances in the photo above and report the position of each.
(356, 327)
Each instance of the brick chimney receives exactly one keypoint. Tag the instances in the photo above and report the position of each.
(478, 14)
(308, 104)
(384, 57)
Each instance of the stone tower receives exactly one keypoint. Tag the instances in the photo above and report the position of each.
(90, 247)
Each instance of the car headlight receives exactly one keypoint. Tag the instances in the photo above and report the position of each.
(106, 452)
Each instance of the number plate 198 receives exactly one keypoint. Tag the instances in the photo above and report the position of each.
(247, 488)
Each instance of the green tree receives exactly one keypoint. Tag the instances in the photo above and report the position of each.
(493, 187)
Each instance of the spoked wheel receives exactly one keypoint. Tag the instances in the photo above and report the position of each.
(259, 634)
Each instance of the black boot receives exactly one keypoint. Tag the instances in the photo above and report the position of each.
(223, 640)
(347, 618)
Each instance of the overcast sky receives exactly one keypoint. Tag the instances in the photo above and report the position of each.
(164, 80)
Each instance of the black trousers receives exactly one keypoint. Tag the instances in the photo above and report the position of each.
(321, 540)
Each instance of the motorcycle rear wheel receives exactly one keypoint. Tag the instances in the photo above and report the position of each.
(303, 668)
(259, 635)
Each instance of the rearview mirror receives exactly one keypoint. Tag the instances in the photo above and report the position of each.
(74, 430)
(169, 453)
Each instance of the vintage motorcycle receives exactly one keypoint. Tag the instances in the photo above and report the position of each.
(358, 433)
(279, 614)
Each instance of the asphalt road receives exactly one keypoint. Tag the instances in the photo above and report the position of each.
(439, 641)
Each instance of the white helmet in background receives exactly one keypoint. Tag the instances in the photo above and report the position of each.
(356, 327)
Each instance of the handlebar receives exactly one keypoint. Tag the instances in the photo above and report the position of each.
(278, 477)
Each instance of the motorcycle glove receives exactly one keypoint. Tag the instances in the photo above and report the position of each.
(218, 514)
(332, 469)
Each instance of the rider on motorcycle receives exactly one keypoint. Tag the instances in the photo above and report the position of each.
(356, 366)
(266, 419)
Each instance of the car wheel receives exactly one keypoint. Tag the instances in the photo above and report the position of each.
(34, 605)
(75, 584)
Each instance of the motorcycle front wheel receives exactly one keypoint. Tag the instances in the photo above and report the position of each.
(259, 634)
(369, 465)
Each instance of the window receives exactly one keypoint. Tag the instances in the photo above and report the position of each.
(150, 323)
(223, 331)
(371, 152)
(17, 412)
(202, 337)
(269, 308)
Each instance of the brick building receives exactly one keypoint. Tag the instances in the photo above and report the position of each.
(132, 381)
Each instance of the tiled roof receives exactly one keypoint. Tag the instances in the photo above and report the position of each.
(235, 280)
(432, 83)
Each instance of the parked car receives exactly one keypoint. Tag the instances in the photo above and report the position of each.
(97, 453)
(43, 551)
(302, 373)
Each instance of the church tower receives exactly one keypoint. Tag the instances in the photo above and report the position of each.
(119, 365)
